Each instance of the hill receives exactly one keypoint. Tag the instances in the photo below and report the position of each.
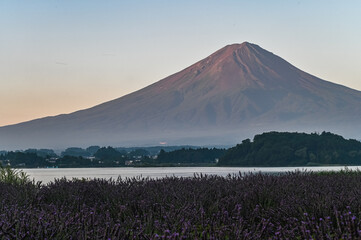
(276, 149)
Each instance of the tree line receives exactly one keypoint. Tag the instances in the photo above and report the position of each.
(294, 149)
(108, 157)
(270, 149)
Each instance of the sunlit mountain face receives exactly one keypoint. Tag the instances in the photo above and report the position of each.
(236, 92)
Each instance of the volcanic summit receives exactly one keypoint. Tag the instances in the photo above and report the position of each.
(238, 91)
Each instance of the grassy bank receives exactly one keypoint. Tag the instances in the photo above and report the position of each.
(298, 205)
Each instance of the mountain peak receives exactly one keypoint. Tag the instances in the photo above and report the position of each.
(241, 46)
(229, 49)
(246, 53)
(239, 65)
(239, 89)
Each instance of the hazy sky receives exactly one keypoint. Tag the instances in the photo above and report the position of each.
(61, 56)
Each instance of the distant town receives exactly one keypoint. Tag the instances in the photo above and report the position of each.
(95, 156)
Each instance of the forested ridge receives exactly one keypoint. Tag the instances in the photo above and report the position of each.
(274, 149)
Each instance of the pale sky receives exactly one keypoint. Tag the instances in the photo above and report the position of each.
(59, 56)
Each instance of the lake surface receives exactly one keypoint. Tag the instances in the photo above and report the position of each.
(47, 175)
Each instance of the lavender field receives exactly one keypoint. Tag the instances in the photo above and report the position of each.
(295, 205)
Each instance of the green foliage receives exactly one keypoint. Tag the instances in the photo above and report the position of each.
(345, 171)
(44, 153)
(76, 152)
(13, 176)
(294, 149)
(93, 156)
(200, 155)
(92, 149)
(151, 150)
(24, 159)
(138, 152)
(2, 152)
(72, 161)
(109, 155)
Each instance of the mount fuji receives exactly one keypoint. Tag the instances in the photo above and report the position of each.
(236, 92)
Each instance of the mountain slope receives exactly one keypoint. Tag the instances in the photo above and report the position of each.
(240, 89)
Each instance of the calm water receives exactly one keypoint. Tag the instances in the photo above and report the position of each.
(49, 174)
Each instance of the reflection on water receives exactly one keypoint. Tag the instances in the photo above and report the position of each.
(49, 174)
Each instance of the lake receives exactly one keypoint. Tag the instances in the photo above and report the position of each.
(47, 175)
